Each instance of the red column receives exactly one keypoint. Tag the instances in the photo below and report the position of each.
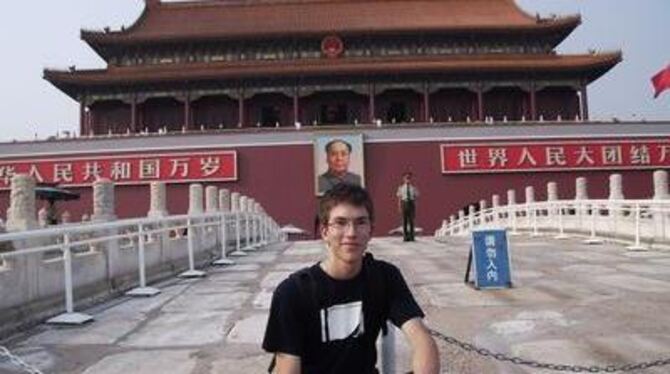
(584, 103)
(371, 104)
(480, 104)
(426, 104)
(533, 102)
(296, 106)
(83, 128)
(133, 114)
(187, 111)
(240, 110)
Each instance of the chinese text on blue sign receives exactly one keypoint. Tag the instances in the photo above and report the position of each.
(491, 259)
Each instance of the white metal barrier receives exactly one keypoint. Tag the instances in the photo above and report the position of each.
(95, 253)
(641, 223)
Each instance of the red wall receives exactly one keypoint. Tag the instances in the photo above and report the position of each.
(281, 179)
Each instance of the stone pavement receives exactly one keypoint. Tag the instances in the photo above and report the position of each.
(571, 304)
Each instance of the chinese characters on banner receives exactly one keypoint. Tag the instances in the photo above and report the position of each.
(555, 156)
(125, 169)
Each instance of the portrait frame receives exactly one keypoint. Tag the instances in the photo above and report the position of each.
(356, 164)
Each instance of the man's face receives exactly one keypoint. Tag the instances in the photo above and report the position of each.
(347, 233)
(338, 158)
(407, 178)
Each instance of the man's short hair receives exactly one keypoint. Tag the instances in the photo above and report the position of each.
(343, 193)
(332, 142)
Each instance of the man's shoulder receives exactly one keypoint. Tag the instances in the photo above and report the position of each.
(381, 266)
(324, 175)
(352, 177)
(293, 282)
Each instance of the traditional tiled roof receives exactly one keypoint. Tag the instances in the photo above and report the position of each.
(588, 67)
(219, 19)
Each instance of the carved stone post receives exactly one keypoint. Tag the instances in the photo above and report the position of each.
(616, 193)
(21, 217)
(581, 193)
(495, 204)
(661, 219)
(552, 191)
(195, 199)
(616, 187)
(511, 212)
(511, 197)
(552, 196)
(235, 202)
(224, 200)
(158, 209)
(235, 198)
(104, 211)
(581, 189)
(254, 223)
(251, 221)
(471, 216)
(530, 198)
(211, 199)
(103, 201)
(244, 219)
(21, 212)
(257, 223)
(495, 201)
(661, 185)
(482, 208)
(224, 207)
(195, 206)
(158, 200)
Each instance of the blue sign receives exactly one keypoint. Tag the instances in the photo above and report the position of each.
(491, 259)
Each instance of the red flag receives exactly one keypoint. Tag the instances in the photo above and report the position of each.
(661, 81)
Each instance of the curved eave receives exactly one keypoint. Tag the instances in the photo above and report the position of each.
(586, 67)
(97, 39)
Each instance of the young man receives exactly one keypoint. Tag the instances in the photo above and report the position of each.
(326, 318)
(407, 194)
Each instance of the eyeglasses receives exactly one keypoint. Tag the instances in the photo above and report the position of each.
(361, 224)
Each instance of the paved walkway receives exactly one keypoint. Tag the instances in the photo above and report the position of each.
(572, 304)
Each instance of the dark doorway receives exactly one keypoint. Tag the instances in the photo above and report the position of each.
(332, 114)
(269, 116)
(397, 112)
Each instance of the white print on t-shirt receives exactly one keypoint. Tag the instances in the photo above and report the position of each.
(341, 321)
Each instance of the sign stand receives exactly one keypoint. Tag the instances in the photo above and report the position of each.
(489, 258)
(467, 280)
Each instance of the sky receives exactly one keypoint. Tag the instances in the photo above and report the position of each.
(39, 34)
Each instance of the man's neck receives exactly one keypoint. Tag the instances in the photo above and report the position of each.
(341, 270)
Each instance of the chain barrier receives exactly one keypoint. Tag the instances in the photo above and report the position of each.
(5, 354)
(549, 366)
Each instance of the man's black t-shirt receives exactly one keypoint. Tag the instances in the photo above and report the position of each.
(335, 330)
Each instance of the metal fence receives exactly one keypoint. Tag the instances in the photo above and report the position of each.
(43, 265)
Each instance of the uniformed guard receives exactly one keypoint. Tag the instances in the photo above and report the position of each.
(407, 195)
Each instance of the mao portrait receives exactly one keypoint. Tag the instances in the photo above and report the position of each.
(338, 159)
